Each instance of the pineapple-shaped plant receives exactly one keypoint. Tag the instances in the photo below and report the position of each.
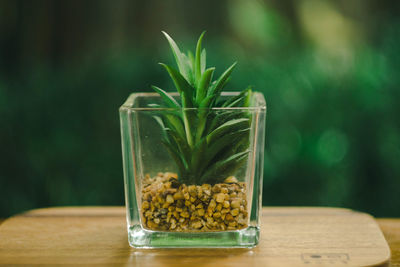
(207, 139)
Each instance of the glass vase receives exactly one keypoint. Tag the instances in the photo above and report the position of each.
(163, 210)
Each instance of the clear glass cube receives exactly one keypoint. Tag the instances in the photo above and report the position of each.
(164, 212)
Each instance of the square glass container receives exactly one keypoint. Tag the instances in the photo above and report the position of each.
(164, 212)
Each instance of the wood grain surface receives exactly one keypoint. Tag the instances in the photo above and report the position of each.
(289, 237)
(391, 231)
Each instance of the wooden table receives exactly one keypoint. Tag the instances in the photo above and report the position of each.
(391, 231)
(111, 247)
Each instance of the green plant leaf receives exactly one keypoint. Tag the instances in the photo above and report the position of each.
(187, 120)
(204, 84)
(233, 101)
(198, 155)
(191, 60)
(224, 142)
(181, 85)
(169, 100)
(222, 117)
(203, 60)
(172, 141)
(206, 102)
(224, 168)
(161, 123)
(197, 66)
(229, 126)
(218, 86)
(181, 60)
(176, 155)
(179, 143)
(175, 123)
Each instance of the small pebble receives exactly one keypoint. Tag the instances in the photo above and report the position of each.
(235, 212)
(235, 204)
(217, 214)
(226, 204)
(229, 217)
(231, 179)
(200, 212)
(169, 199)
(196, 224)
(178, 195)
(212, 204)
(169, 205)
(145, 205)
(220, 197)
(185, 214)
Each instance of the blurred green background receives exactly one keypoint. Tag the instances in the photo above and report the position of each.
(330, 71)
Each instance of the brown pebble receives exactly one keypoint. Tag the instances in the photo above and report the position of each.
(185, 214)
(219, 207)
(207, 192)
(186, 196)
(216, 188)
(169, 199)
(206, 186)
(200, 212)
(229, 217)
(160, 199)
(192, 190)
(235, 204)
(241, 219)
(145, 205)
(231, 179)
(217, 215)
(152, 225)
(176, 214)
(180, 203)
(224, 211)
(220, 197)
(199, 191)
(226, 204)
(178, 195)
(196, 224)
(235, 212)
(232, 223)
(212, 204)
(169, 175)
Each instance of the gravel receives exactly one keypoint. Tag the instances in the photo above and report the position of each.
(168, 205)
